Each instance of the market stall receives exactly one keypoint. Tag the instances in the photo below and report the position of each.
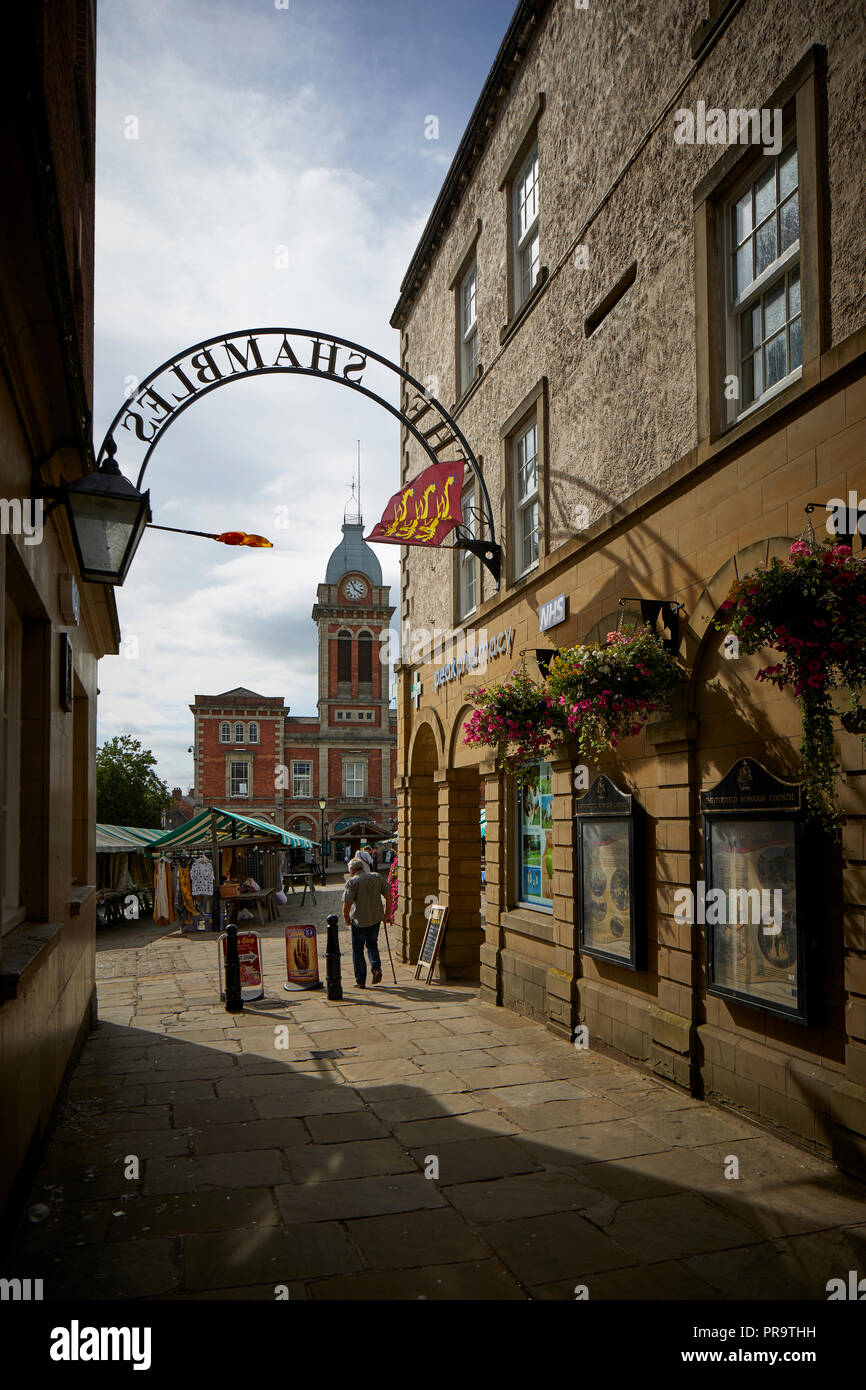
(245, 855)
(123, 869)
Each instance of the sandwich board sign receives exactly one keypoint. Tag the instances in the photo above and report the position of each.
(250, 955)
(302, 958)
(432, 941)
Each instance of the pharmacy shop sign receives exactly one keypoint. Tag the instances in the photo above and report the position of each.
(474, 658)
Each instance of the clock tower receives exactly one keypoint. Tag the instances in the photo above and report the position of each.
(357, 730)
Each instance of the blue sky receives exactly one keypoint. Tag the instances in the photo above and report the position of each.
(258, 128)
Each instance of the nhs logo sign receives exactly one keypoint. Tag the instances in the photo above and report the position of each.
(551, 613)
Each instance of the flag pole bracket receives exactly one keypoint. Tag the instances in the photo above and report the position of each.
(488, 552)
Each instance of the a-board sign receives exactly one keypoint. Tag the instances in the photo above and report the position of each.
(302, 958)
(432, 941)
(250, 956)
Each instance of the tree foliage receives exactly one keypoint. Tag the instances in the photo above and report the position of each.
(128, 791)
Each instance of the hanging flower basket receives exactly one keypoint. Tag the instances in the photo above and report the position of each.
(811, 608)
(609, 691)
(517, 718)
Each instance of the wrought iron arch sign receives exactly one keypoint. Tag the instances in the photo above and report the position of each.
(156, 403)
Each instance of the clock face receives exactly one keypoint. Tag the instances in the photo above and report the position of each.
(356, 588)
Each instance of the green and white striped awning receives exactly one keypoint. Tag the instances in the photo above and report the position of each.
(120, 839)
(230, 825)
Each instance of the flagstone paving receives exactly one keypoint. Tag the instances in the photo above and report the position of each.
(441, 1148)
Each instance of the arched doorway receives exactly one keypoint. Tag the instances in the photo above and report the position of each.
(418, 863)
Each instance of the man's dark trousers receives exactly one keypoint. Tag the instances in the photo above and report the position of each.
(369, 937)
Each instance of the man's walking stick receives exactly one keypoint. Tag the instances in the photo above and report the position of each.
(390, 957)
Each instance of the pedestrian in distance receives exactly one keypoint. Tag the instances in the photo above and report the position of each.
(364, 853)
(368, 899)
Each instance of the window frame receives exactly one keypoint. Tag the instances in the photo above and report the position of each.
(467, 332)
(521, 243)
(225, 731)
(779, 271)
(253, 732)
(520, 505)
(531, 410)
(238, 739)
(802, 97)
(466, 563)
(239, 795)
(355, 763)
(308, 776)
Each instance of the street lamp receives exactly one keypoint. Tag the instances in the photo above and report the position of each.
(107, 517)
(323, 801)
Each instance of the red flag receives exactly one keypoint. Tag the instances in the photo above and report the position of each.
(425, 510)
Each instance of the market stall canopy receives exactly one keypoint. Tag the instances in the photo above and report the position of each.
(230, 826)
(347, 830)
(121, 839)
(483, 823)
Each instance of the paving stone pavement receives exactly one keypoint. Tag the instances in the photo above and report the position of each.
(442, 1148)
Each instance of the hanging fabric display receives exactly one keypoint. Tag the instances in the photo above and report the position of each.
(201, 877)
(163, 910)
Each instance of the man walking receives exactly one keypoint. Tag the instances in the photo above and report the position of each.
(365, 893)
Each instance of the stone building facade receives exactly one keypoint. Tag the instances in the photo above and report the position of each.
(251, 752)
(55, 626)
(583, 294)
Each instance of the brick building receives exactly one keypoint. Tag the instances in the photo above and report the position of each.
(251, 752)
(656, 346)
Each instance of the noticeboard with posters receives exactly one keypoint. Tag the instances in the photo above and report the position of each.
(610, 875)
(754, 911)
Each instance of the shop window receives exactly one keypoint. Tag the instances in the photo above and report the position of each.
(761, 231)
(225, 732)
(253, 733)
(354, 778)
(344, 657)
(365, 659)
(11, 818)
(302, 779)
(239, 779)
(239, 733)
(468, 328)
(535, 837)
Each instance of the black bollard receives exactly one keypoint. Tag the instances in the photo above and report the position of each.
(234, 1002)
(332, 960)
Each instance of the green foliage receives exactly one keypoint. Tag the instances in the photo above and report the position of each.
(128, 791)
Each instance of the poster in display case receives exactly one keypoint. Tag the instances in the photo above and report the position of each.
(754, 908)
(610, 875)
